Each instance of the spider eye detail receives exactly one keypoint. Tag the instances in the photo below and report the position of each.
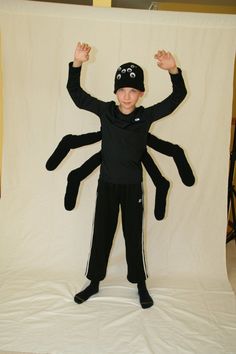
(123, 71)
(118, 76)
(132, 75)
(129, 70)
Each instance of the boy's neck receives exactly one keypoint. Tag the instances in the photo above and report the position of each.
(123, 110)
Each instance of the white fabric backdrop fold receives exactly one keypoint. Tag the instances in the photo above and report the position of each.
(44, 248)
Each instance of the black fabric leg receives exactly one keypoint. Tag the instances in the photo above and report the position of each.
(175, 151)
(70, 142)
(161, 183)
(77, 141)
(160, 198)
(76, 176)
(59, 153)
(185, 171)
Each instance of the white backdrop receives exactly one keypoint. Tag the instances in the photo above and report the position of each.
(44, 248)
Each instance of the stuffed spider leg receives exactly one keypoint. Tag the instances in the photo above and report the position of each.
(76, 176)
(169, 149)
(162, 185)
(70, 142)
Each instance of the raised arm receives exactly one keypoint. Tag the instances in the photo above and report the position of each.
(166, 61)
(81, 54)
(80, 97)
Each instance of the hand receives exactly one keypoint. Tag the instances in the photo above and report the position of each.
(81, 54)
(166, 61)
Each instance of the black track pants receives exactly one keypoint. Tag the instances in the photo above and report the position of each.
(109, 198)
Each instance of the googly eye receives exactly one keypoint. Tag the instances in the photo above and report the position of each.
(118, 76)
(123, 71)
(132, 75)
(129, 70)
(132, 66)
(119, 69)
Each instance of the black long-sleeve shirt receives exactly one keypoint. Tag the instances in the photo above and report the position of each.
(124, 135)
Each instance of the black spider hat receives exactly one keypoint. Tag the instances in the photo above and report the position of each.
(129, 75)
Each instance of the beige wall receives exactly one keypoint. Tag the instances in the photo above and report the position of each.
(1, 116)
(170, 6)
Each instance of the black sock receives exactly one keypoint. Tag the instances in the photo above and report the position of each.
(85, 294)
(144, 297)
(162, 188)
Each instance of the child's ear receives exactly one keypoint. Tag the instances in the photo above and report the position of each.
(141, 94)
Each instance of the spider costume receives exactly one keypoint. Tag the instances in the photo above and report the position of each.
(70, 141)
(124, 139)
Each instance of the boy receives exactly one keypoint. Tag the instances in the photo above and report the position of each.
(124, 133)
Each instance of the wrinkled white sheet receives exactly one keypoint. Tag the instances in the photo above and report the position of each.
(44, 249)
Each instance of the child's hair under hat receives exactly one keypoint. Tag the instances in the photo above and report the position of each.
(129, 75)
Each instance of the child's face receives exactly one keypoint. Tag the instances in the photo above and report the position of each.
(127, 98)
